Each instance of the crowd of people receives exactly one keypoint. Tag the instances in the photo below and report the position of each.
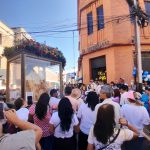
(98, 116)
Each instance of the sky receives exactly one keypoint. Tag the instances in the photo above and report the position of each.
(41, 15)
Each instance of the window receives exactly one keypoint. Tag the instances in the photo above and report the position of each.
(90, 23)
(100, 18)
(147, 8)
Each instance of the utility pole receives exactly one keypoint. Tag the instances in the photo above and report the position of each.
(74, 56)
(141, 19)
(138, 47)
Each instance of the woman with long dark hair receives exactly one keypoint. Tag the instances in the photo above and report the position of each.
(116, 96)
(63, 123)
(86, 116)
(104, 135)
(40, 114)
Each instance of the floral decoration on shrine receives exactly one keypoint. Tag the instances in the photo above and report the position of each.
(37, 49)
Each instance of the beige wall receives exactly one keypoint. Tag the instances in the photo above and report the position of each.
(21, 34)
(3, 59)
(7, 35)
(7, 40)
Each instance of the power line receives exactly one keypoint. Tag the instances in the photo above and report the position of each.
(73, 50)
(123, 20)
(47, 23)
(83, 23)
(118, 19)
(56, 23)
(71, 30)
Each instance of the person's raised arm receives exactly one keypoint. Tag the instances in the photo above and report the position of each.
(90, 147)
(124, 122)
(12, 118)
(51, 128)
(30, 118)
(77, 128)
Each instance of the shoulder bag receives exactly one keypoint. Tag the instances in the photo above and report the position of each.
(110, 141)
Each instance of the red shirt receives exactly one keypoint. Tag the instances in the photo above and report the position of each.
(44, 123)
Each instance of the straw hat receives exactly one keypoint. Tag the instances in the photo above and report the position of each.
(76, 93)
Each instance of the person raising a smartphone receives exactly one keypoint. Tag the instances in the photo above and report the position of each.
(27, 139)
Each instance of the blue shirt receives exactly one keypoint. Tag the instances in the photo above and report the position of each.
(145, 99)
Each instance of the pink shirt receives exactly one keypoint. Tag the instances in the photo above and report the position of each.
(43, 124)
(74, 102)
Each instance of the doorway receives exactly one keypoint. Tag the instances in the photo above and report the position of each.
(98, 69)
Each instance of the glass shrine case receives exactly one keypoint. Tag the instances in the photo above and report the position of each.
(29, 75)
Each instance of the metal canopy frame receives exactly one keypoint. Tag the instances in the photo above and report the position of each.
(22, 56)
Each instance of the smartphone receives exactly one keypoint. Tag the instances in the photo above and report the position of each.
(1, 111)
(29, 100)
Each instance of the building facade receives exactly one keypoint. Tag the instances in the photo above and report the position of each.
(69, 76)
(106, 44)
(20, 34)
(6, 40)
(9, 37)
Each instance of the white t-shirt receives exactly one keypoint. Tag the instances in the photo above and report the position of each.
(116, 108)
(124, 135)
(124, 99)
(93, 86)
(54, 101)
(55, 120)
(87, 117)
(5, 107)
(23, 114)
(135, 115)
(80, 101)
(98, 89)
